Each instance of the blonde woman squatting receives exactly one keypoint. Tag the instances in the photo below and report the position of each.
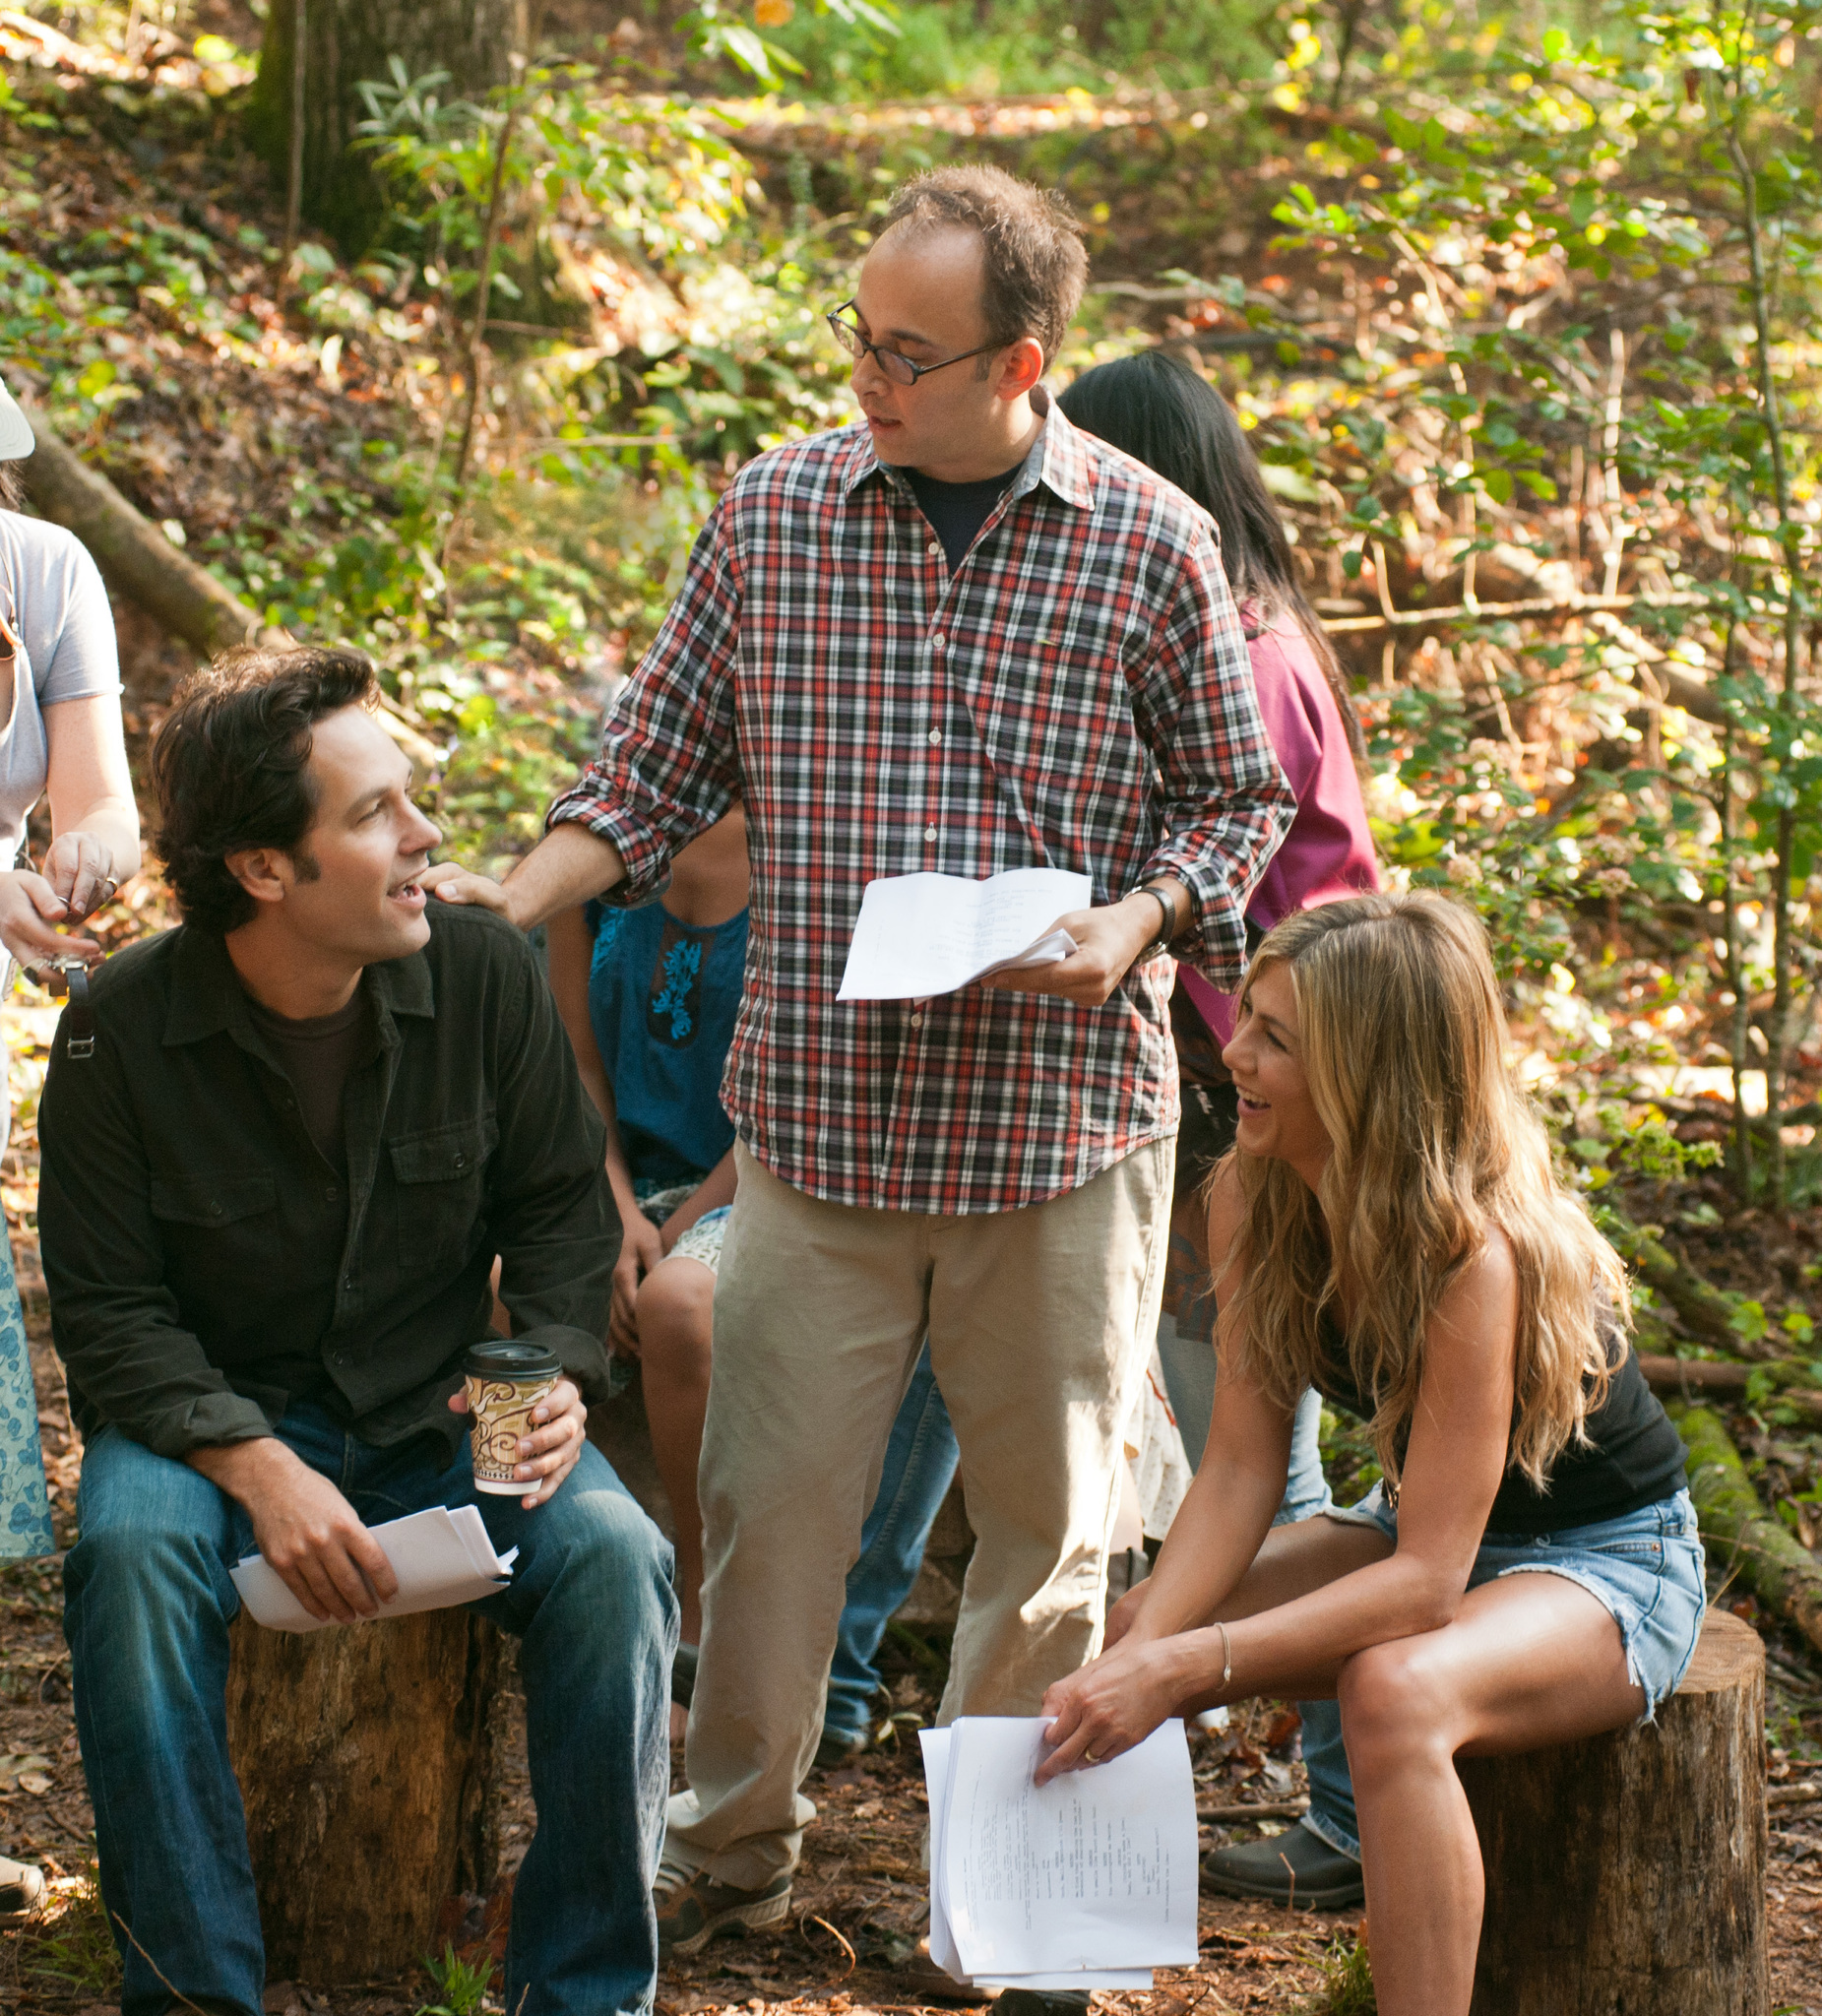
(1388, 1230)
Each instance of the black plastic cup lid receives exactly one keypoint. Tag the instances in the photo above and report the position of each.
(507, 1360)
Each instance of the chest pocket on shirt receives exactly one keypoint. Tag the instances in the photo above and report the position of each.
(439, 1176)
(220, 1225)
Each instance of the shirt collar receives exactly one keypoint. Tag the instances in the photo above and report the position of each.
(1057, 459)
(207, 996)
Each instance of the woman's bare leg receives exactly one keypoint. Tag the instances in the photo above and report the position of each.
(1531, 1660)
(675, 1313)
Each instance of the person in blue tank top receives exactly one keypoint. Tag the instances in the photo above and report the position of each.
(1389, 1229)
(649, 997)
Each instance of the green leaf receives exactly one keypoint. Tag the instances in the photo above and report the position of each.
(1748, 1321)
(1498, 483)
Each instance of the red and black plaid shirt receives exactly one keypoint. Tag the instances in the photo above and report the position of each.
(1076, 695)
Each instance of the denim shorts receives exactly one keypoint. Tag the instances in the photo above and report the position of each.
(1645, 1568)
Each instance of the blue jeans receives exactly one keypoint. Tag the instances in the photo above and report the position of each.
(921, 1463)
(148, 1602)
(1189, 1377)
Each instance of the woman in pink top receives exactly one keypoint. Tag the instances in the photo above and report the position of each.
(1164, 414)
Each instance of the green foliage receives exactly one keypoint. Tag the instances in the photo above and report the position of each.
(73, 1944)
(1426, 360)
(1661, 186)
(1348, 1459)
(1346, 1988)
(714, 28)
(461, 1985)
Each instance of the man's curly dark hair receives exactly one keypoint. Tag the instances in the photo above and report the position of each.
(230, 767)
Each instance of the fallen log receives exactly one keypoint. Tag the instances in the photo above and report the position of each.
(1703, 1309)
(1729, 1379)
(187, 599)
(1740, 1535)
(143, 563)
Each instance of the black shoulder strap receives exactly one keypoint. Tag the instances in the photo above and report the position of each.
(79, 1015)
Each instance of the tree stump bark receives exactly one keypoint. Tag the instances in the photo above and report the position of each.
(1625, 1875)
(366, 1760)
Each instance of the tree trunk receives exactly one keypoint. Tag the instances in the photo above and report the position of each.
(1627, 1873)
(348, 43)
(366, 1760)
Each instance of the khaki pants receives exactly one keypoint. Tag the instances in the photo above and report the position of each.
(1040, 1322)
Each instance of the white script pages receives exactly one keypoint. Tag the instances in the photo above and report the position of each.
(440, 1557)
(919, 935)
(1086, 1883)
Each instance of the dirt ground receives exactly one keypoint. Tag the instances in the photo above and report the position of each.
(860, 1903)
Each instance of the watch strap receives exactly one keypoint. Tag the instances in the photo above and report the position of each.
(1167, 928)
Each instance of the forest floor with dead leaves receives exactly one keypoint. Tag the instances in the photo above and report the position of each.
(861, 1900)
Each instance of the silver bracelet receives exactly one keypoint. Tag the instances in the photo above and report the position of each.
(1226, 1654)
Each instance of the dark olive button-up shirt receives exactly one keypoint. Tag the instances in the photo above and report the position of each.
(207, 1264)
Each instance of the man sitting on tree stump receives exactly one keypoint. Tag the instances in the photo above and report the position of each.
(278, 1167)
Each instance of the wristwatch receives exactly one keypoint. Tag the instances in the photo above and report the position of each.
(1168, 928)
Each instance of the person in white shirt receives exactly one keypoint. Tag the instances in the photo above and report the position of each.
(61, 735)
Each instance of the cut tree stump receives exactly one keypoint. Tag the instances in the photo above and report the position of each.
(1625, 1875)
(366, 1760)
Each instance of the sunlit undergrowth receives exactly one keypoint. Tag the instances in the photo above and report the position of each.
(1522, 323)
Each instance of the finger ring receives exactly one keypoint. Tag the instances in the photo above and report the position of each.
(1089, 1757)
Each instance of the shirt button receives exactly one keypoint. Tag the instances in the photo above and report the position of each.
(933, 547)
(936, 736)
(214, 1211)
(331, 1192)
(462, 1161)
(916, 1021)
(936, 642)
(929, 833)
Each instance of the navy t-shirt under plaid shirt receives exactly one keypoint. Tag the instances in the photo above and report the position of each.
(1074, 695)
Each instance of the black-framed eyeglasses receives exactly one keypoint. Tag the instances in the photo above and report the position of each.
(900, 368)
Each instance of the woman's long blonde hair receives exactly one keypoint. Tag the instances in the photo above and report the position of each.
(1403, 1045)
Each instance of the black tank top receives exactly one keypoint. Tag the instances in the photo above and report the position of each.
(1634, 1456)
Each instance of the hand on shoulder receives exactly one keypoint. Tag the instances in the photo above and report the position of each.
(451, 883)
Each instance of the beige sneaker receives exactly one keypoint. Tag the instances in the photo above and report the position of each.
(692, 1907)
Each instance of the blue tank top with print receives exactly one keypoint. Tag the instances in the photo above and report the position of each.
(662, 997)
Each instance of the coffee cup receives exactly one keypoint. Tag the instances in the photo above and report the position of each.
(505, 1383)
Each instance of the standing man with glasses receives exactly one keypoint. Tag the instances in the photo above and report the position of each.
(957, 636)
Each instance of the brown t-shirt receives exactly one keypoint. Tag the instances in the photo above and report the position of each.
(317, 1054)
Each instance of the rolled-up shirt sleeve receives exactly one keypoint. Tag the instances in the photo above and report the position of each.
(666, 769)
(114, 1321)
(1226, 804)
